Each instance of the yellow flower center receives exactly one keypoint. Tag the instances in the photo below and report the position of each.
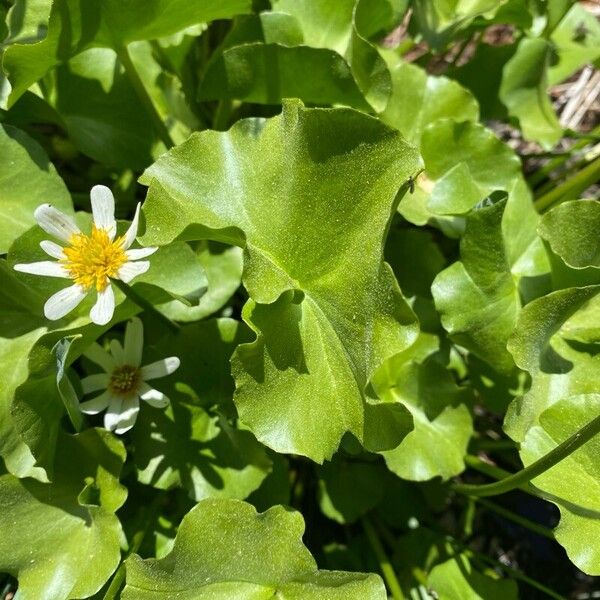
(125, 380)
(91, 259)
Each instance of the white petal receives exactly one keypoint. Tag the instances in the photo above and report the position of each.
(153, 397)
(138, 253)
(132, 231)
(129, 414)
(160, 368)
(55, 223)
(117, 351)
(63, 302)
(130, 270)
(97, 354)
(52, 249)
(113, 413)
(103, 209)
(97, 404)
(102, 312)
(134, 342)
(49, 268)
(95, 382)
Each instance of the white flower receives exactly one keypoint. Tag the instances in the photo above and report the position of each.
(124, 380)
(90, 260)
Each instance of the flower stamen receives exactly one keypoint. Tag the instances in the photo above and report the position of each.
(125, 380)
(91, 260)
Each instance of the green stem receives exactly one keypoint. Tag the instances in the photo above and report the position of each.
(140, 90)
(384, 563)
(536, 178)
(515, 518)
(147, 519)
(222, 115)
(143, 303)
(571, 188)
(524, 476)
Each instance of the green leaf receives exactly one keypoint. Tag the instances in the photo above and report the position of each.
(419, 99)
(349, 25)
(223, 268)
(479, 298)
(464, 163)
(27, 179)
(65, 388)
(577, 41)
(573, 484)
(457, 580)
(326, 313)
(265, 58)
(571, 230)
(38, 404)
(27, 21)
(21, 325)
(204, 374)
(440, 20)
(56, 542)
(490, 60)
(555, 341)
(183, 446)
(225, 549)
(442, 421)
(75, 27)
(524, 92)
(101, 111)
(174, 273)
(349, 489)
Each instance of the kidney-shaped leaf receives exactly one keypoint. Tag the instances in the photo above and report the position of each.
(419, 99)
(309, 195)
(555, 339)
(571, 229)
(61, 539)
(574, 483)
(225, 549)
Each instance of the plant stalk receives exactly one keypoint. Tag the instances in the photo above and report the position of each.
(571, 188)
(524, 476)
(515, 518)
(384, 562)
(222, 114)
(142, 93)
(559, 159)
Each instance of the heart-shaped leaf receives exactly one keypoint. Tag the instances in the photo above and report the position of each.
(225, 549)
(61, 539)
(326, 313)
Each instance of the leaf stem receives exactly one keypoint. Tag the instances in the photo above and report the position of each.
(143, 303)
(515, 518)
(524, 476)
(558, 159)
(571, 188)
(222, 115)
(384, 563)
(140, 90)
